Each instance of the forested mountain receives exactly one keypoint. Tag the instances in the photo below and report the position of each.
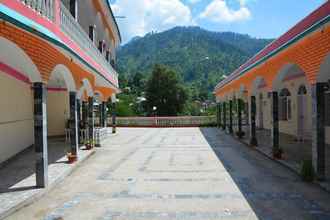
(200, 57)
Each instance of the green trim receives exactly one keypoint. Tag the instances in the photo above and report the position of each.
(281, 48)
(54, 41)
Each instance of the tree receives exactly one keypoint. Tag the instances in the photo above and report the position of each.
(165, 92)
(137, 82)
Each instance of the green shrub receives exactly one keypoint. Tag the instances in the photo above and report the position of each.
(307, 171)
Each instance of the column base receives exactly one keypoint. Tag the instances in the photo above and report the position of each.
(253, 142)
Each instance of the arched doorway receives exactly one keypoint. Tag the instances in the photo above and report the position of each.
(60, 84)
(17, 73)
(294, 114)
(259, 89)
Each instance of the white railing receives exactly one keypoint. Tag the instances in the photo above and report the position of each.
(43, 7)
(189, 121)
(72, 28)
(100, 135)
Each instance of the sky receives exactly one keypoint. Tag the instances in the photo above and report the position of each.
(258, 18)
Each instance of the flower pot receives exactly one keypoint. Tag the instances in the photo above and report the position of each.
(71, 158)
(89, 146)
(278, 154)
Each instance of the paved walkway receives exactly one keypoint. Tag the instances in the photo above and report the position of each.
(187, 173)
(17, 176)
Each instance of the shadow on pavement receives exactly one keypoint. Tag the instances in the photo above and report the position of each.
(273, 192)
(22, 165)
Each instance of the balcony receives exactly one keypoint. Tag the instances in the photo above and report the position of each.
(43, 7)
(72, 29)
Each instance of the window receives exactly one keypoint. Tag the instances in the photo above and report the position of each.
(92, 33)
(302, 90)
(101, 46)
(285, 112)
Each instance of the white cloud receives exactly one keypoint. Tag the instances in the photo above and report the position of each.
(144, 16)
(218, 11)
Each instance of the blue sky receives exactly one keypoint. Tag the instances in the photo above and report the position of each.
(258, 18)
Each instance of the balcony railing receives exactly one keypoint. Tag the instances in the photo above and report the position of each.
(43, 7)
(72, 28)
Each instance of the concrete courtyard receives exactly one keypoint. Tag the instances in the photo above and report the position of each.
(179, 173)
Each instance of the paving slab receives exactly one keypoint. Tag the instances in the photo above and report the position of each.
(179, 173)
(18, 181)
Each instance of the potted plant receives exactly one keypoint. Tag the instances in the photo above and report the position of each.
(71, 157)
(277, 153)
(89, 145)
(240, 134)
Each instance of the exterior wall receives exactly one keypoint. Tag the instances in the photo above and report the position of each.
(43, 53)
(16, 118)
(291, 126)
(316, 43)
(57, 112)
(87, 16)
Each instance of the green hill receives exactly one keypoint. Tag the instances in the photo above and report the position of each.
(199, 56)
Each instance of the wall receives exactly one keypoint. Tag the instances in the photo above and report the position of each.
(57, 112)
(266, 109)
(87, 16)
(290, 126)
(16, 118)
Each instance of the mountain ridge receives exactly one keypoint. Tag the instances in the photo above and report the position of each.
(200, 57)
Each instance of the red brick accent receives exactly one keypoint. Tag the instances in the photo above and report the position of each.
(45, 55)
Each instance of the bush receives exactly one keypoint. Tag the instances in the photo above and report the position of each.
(307, 171)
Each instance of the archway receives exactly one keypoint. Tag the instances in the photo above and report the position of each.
(260, 91)
(243, 95)
(294, 113)
(17, 72)
(85, 90)
(292, 78)
(60, 84)
(98, 104)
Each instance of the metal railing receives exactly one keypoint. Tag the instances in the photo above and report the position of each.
(43, 7)
(189, 121)
(72, 28)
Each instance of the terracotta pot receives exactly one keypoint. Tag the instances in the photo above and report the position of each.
(89, 146)
(277, 155)
(72, 159)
